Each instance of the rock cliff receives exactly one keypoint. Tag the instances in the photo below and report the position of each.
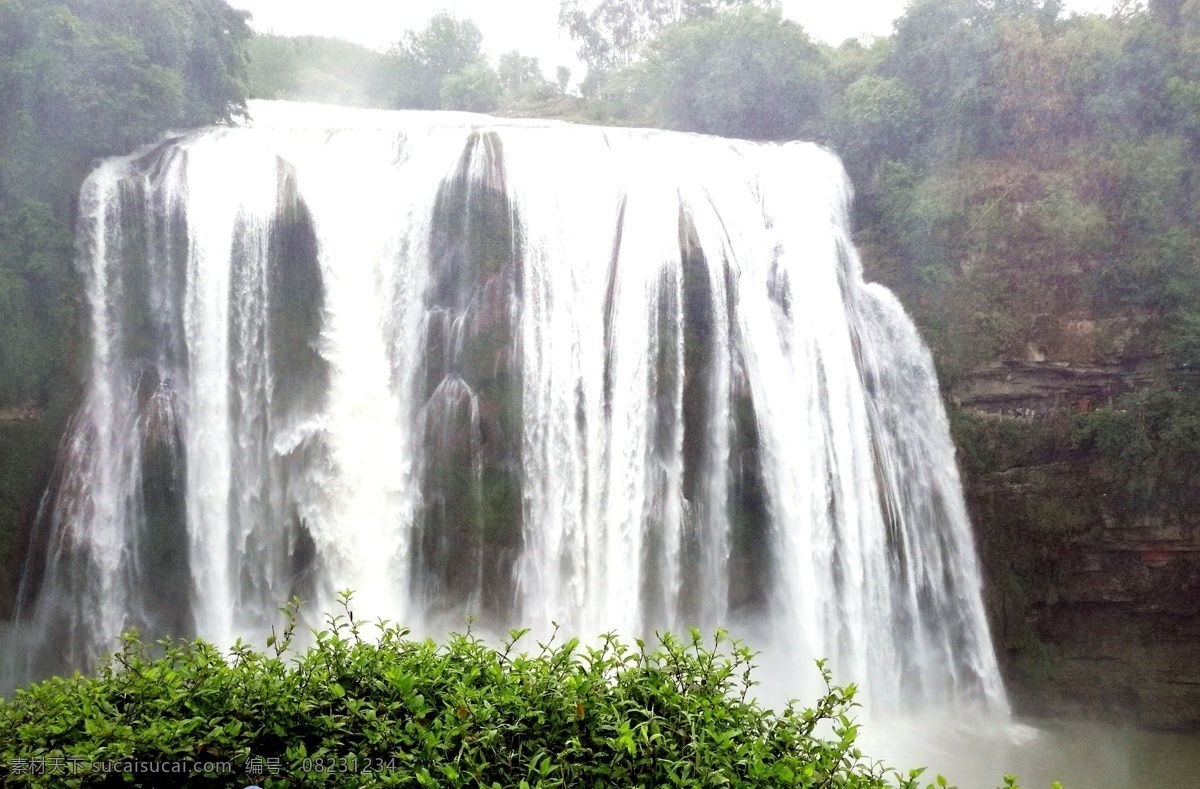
(1095, 605)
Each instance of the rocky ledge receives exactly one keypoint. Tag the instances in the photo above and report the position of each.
(23, 412)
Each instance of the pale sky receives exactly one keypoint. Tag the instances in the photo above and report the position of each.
(531, 26)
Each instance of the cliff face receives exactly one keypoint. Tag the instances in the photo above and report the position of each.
(29, 434)
(1095, 605)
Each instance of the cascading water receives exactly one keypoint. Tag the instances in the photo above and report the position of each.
(534, 372)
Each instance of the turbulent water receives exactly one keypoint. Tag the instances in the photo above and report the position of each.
(532, 372)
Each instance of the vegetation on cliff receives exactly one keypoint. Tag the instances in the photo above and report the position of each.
(79, 80)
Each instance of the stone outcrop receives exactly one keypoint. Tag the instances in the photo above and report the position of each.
(1039, 388)
(23, 412)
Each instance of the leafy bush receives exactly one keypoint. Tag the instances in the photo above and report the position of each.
(991, 443)
(474, 88)
(1152, 442)
(391, 711)
(702, 78)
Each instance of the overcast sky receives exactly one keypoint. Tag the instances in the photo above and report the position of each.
(531, 26)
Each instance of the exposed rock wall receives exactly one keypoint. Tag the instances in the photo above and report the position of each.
(1095, 606)
(29, 434)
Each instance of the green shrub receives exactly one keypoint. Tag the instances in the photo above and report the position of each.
(1152, 442)
(415, 713)
(990, 443)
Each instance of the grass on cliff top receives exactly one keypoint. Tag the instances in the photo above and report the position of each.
(392, 711)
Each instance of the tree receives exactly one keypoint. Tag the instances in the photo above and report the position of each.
(1035, 105)
(474, 88)
(875, 122)
(743, 73)
(521, 76)
(609, 35)
(314, 68)
(422, 62)
(90, 78)
(78, 80)
(948, 53)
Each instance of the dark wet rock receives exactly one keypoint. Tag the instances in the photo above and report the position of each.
(1095, 608)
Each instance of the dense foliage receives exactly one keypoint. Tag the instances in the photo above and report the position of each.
(391, 711)
(699, 78)
(1043, 169)
(1151, 439)
(81, 79)
(611, 34)
(442, 67)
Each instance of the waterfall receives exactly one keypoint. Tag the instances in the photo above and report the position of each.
(528, 371)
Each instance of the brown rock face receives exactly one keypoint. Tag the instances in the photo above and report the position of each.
(1096, 612)
(23, 412)
(1095, 605)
